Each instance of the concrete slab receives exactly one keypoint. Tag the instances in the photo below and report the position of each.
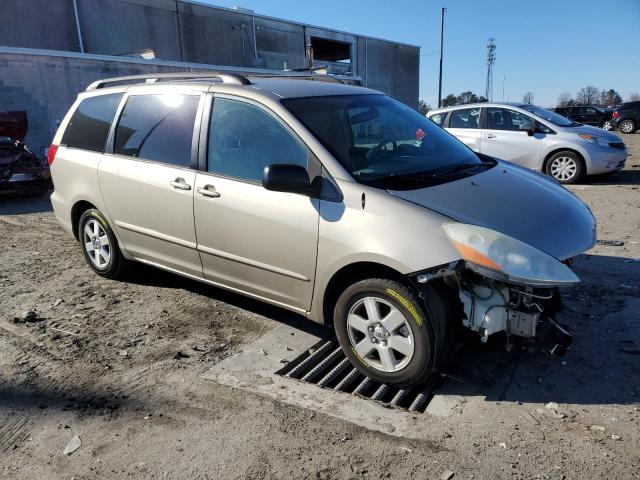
(253, 371)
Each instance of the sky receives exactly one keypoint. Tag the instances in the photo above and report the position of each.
(543, 46)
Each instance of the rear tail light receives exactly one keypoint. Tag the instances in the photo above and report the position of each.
(51, 154)
(616, 114)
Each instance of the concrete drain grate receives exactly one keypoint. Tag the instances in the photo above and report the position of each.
(325, 365)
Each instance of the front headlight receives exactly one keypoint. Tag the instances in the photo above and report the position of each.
(603, 142)
(502, 257)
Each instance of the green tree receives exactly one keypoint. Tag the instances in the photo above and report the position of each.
(450, 100)
(610, 97)
(423, 107)
(467, 97)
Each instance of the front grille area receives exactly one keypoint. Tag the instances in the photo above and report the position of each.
(619, 145)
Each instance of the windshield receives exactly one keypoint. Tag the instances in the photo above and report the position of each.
(549, 116)
(384, 143)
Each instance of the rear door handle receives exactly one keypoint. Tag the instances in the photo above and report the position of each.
(180, 184)
(490, 135)
(208, 191)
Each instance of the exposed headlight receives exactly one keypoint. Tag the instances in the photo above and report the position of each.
(603, 142)
(502, 257)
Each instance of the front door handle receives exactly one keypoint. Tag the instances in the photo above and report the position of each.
(490, 135)
(208, 191)
(180, 184)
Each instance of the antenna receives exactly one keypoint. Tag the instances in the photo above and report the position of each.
(491, 60)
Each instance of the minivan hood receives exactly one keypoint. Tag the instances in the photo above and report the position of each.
(518, 202)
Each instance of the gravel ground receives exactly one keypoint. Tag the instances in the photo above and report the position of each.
(118, 363)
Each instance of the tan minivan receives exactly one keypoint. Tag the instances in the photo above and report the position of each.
(330, 200)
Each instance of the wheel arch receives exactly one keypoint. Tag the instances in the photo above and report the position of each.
(563, 149)
(350, 274)
(77, 210)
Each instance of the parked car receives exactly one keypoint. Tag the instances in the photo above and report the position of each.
(588, 115)
(626, 118)
(535, 138)
(20, 169)
(330, 200)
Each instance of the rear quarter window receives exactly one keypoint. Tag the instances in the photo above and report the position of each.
(438, 118)
(89, 124)
(158, 127)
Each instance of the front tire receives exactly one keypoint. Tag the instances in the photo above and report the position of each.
(386, 332)
(606, 126)
(100, 246)
(627, 126)
(566, 167)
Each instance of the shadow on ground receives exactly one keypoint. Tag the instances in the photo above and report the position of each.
(603, 366)
(12, 203)
(87, 401)
(150, 276)
(622, 177)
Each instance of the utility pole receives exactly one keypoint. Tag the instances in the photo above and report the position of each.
(442, 10)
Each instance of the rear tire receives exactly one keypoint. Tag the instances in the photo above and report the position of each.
(100, 246)
(387, 333)
(566, 167)
(627, 126)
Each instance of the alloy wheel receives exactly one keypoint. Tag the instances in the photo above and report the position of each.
(564, 168)
(380, 334)
(96, 243)
(626, 126)
(607, 126)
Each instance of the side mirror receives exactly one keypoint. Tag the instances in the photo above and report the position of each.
(528, 126)
(282, 177)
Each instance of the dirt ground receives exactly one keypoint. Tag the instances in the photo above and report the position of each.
(119, 362)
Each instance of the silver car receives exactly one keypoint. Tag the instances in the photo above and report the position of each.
(330, 200)
(535, 138)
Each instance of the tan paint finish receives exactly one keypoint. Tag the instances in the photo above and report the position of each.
(249, 240)
(154, 220)
(257, 241)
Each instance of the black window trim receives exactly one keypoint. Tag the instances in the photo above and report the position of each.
(109, 148)
(116, 115)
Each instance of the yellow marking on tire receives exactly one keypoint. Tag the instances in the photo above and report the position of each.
(359, 357)
(406, 304)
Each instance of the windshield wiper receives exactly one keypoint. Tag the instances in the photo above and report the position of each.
(465, 167)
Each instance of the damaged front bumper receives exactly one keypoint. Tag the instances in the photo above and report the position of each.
(491, 306)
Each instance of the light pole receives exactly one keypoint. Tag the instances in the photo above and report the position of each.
(442, 10)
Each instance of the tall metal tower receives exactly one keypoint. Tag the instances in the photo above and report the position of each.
(491, 60)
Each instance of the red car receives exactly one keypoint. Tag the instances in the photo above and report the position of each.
(20, 169)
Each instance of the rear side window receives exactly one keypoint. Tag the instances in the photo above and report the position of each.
(465, 118)
(89, 124)
(438, 118)
(503, 119)
(157, 127)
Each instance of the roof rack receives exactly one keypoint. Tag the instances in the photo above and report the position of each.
(313, 76)
(225, 77)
